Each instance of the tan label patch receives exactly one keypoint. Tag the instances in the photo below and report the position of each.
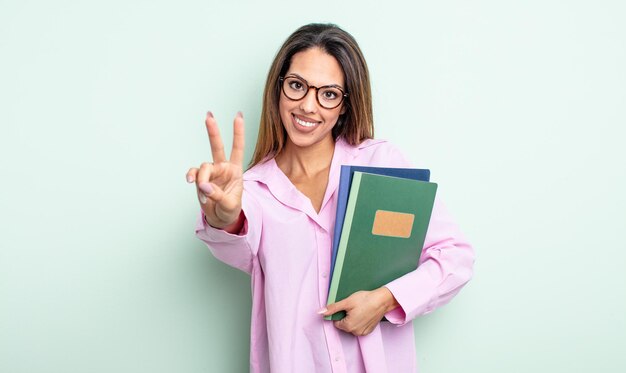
(393, 224)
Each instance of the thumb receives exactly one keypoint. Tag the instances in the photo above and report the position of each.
(334, 308)
(211, 191)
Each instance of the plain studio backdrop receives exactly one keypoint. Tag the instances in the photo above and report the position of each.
(517, 107)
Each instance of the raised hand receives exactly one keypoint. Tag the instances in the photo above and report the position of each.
(219, 184)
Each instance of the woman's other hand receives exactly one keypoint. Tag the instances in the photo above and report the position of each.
(219, 184)
(364, 310)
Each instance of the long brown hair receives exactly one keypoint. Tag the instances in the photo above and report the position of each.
(355, 125)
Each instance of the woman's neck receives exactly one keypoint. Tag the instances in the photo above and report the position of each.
(308, 161)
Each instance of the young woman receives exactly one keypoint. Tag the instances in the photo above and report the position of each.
(275, 221)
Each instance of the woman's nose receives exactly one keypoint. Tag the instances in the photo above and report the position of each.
(309, 101)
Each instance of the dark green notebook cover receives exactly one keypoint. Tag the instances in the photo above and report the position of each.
(383, 233)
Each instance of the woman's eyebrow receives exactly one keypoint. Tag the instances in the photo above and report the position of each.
(296, 75)
(307, 82)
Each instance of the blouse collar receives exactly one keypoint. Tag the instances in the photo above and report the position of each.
(269, 174)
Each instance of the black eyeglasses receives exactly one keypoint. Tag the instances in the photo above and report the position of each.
(296, 88)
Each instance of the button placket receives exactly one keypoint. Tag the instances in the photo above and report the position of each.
(322, 263)
(335, 350)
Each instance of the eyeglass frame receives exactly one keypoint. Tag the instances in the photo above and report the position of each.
(344, 95)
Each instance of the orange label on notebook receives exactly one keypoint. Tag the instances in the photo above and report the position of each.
(393, 224)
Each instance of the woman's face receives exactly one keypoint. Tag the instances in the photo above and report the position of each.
(306, 122)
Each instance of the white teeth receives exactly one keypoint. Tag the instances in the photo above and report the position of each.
(305, 124)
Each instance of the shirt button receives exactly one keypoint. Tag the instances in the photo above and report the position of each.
(337, 358)
(324, 275)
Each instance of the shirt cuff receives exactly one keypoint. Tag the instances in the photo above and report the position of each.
(397, 315)
(220, 234)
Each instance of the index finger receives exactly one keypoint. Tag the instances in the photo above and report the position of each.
(236, 155)
(217, 147)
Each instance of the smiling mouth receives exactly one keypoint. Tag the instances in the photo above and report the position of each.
(304, 123)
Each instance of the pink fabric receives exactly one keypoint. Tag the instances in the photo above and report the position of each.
(286, 248)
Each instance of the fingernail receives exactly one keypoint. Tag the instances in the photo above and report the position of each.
(189, 179)
(202, 198)
(209, 114)
(240, 114)
(206, 188)
(322, 310)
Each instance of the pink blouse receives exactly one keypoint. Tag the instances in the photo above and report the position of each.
(285, 246)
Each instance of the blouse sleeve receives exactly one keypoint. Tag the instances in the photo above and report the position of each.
(446, 262)
(236, 250)
(445, 267)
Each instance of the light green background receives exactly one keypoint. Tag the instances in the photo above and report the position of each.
(518, 107)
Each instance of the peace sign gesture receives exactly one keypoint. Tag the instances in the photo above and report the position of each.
(219, 184)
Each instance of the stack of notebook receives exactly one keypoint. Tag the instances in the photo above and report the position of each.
(382, 219)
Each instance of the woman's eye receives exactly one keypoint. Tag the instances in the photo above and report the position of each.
(330, 95)
(296, 85)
